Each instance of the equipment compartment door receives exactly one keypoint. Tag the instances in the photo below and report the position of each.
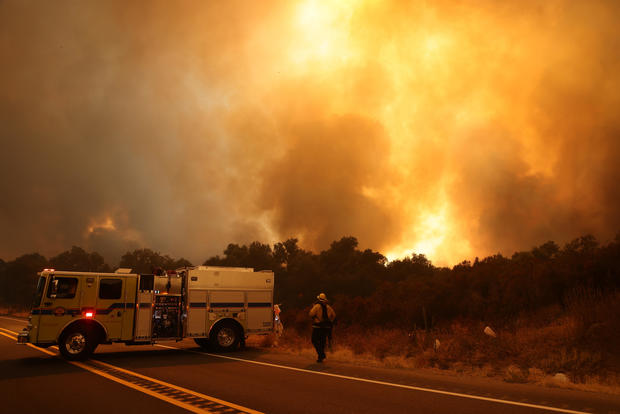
(144, 316)
(144, 309)
(197, 313)
(225, 302)
(260, 311)
(111, 305)
(130, 308)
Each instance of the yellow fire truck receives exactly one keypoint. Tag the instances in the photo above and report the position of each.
(216, 306)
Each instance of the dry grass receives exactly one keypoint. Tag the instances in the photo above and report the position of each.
(581, 345)
(469, 354)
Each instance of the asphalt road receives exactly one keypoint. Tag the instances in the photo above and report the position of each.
(179, 377)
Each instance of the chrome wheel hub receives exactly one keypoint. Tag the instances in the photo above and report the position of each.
(226, 337)
(75, 343)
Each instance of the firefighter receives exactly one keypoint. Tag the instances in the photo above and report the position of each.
(277, 323)
(322, 316)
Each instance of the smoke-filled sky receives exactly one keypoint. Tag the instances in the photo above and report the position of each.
(449, 128)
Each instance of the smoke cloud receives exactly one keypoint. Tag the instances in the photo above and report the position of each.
(441, 128)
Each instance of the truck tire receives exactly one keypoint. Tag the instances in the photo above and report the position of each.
(203, 343)
(225, 337)
(77, 343)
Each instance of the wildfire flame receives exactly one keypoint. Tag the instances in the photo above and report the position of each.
(106, 224)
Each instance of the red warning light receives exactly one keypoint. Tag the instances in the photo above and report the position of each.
(88, 314)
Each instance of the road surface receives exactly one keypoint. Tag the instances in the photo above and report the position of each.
(180, 378)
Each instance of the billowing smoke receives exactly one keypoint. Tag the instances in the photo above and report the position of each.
(443, 128)
(322, 188)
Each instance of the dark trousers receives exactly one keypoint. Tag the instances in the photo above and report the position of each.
(319, 337)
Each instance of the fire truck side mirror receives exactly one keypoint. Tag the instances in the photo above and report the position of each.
(53, 288)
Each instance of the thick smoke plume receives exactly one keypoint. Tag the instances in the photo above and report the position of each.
(443, 128)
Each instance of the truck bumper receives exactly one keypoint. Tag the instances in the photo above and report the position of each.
(23, 337)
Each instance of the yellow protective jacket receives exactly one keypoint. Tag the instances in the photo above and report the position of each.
(316, 314)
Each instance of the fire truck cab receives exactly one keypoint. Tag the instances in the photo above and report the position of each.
(216, 306)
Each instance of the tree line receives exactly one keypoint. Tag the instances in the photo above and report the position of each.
(367, 290)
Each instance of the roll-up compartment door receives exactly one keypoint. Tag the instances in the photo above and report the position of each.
(260, 311)
(197, 313)
(226, 300)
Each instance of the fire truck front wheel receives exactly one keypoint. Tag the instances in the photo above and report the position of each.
(77, 343)
(225, 337)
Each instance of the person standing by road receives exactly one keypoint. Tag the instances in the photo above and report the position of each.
(322, 316)
(278, 327)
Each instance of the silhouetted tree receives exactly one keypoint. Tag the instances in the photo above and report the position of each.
(147, 260)
(77, 259)
(20, 277)
(285, 251)
(410, 267)
(346, 270)
(258, 256)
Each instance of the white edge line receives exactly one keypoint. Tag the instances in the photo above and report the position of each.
(410, 387)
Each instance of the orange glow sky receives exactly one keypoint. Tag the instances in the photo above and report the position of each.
(446, 128)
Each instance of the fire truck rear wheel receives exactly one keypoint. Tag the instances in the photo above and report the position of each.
(225, 337)
(77, 343)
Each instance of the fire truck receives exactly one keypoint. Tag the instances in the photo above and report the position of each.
(216, 306)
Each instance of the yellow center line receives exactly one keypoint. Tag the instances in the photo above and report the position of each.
(94, 370)
(188, 407)
(176, 387)
(7, 335)
(13, 336)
